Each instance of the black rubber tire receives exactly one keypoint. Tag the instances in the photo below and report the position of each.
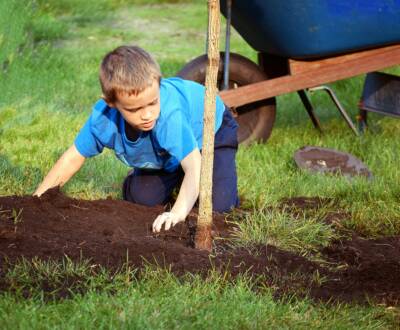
(256, 119)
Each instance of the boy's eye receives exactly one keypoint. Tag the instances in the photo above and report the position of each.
(137, 109)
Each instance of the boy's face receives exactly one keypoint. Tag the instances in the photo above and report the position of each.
(142, 110)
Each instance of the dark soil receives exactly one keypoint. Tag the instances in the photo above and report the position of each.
(110, 232)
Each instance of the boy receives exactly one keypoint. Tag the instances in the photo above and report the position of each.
(155, 126)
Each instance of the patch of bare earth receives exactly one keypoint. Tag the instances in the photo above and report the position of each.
(112, 232)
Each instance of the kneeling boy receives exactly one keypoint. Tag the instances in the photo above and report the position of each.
(154, 125)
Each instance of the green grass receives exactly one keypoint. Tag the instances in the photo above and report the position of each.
(49, 57)
(301, 233)
(106, 300)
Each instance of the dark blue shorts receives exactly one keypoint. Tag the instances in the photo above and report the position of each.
(149, 187)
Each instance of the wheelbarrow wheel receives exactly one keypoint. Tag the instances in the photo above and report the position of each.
(256, 119)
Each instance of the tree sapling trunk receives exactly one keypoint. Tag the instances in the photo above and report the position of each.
(203, 239)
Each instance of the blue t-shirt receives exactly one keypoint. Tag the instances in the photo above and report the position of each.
(177, 132)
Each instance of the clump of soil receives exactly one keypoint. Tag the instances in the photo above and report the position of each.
(324, 160)
(112, 232)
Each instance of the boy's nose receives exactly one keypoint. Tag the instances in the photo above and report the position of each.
(146, 114)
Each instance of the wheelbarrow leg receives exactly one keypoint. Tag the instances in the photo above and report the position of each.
(227, 44)
(310, 110)
(335, 100)
(362, 121)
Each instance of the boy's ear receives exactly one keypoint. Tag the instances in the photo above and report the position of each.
(110, 104)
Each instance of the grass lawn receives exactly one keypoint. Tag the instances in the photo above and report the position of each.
(49, 57)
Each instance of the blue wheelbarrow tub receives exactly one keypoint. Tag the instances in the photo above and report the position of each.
(315, 28)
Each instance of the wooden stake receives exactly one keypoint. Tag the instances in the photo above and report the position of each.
(203, 239)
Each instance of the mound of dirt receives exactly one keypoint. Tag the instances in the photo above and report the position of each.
(112, 232)
(371, 266)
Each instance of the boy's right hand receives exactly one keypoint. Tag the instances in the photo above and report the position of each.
(167, 218)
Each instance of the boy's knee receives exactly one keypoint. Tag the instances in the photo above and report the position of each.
(135, 192)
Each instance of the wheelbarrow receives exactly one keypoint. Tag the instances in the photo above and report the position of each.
(301, 45)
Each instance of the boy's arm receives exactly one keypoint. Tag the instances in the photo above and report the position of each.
(188, 193)
(66, 166)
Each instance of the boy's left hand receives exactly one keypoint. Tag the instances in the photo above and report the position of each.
(167, 218)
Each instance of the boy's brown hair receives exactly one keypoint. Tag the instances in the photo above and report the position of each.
(127, 69)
